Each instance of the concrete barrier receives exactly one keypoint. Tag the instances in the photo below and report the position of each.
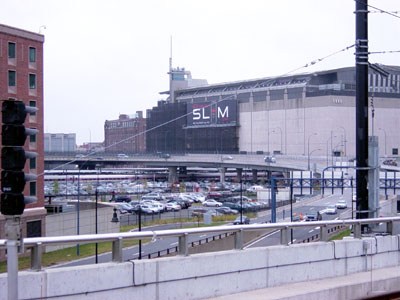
(211, 274)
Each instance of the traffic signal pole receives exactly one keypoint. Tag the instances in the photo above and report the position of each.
(13, 235)
(362, 108)
(13, 179)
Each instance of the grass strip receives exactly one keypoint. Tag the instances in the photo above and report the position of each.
(340, 235)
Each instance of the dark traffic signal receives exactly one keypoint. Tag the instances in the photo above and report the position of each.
(13, 157)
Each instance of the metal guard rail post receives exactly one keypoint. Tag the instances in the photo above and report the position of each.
(36, 244)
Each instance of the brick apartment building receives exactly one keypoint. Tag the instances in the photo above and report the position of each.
(125, 135)
(21, 78)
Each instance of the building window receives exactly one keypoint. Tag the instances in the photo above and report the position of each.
(33, 104)
(395, 151)
(11, 50)
(32, 81)
(32, 138)
(34, 229)
(32, 188)
(11, 78)
(32, 54)
(32, 163)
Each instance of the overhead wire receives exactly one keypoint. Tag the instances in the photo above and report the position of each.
(189, 113)
(379, 9)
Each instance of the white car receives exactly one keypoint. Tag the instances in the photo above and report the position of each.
(171, 206)
(331, 210)
(212, 202)
(341, 204)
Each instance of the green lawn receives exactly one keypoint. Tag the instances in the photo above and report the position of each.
(341, 235)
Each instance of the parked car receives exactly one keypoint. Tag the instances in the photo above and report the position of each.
(214, 195)
(182, 202)
(212, 202)
(313, 216)
(226, 210)
(241, 220)
(153, 196)
(122, 199)
(341, 204)
(148, 208)
(254, 188)
(172, 206)
(331, 210)
(269, 159)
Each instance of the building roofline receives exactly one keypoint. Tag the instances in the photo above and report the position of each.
(22, 33)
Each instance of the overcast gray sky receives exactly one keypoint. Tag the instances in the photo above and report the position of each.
(103, 58)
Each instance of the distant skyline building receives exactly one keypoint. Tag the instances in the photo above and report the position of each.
(21, 78)
(125, 135)
(59, 142)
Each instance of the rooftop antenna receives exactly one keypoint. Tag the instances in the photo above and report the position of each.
(170, 56)
(42, 27)
(171, 93)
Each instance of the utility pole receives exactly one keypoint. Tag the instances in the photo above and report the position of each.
(362, 108)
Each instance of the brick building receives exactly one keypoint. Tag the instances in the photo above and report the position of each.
(21, 78)
(125, 135)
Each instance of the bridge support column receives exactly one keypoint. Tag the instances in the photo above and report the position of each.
(323, 233)
(285, 236)
(172, 175)
(222, 174)
(183, 245)
(239, 172)
(255, 177)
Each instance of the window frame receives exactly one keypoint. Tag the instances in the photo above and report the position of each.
(14, 50)
(30, 51)
(32, 75)
(15, 77)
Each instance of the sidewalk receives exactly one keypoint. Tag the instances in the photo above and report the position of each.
(353, 286)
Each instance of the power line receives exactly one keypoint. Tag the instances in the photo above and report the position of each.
(380, 10)
(384, 52)
(189, 113)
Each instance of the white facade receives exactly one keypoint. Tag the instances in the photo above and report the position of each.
(309, 113)
(59, 142)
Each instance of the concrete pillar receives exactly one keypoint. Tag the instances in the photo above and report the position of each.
(254, 171)
(172, 175)
(239, 172)
(222, 174)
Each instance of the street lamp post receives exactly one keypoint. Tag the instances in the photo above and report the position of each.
(309, 154)
(345, 139)
(327, 149)
(384, 131)
(308, 149)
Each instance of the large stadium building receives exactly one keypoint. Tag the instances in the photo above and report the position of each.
(293, 115)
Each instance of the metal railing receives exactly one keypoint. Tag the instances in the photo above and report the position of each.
(36, 244)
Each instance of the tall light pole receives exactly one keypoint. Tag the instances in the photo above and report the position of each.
(327, 148)
(308, 149)
(384, 131)
(345, 139)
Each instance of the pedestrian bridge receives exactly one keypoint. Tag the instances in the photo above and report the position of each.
(351, 268)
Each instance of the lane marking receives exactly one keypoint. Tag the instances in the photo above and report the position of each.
(259, 240)
(311, 230)
(176, 243)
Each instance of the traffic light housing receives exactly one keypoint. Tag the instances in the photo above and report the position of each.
(13, 157)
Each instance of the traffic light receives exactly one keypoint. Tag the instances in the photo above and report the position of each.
(13, 157)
